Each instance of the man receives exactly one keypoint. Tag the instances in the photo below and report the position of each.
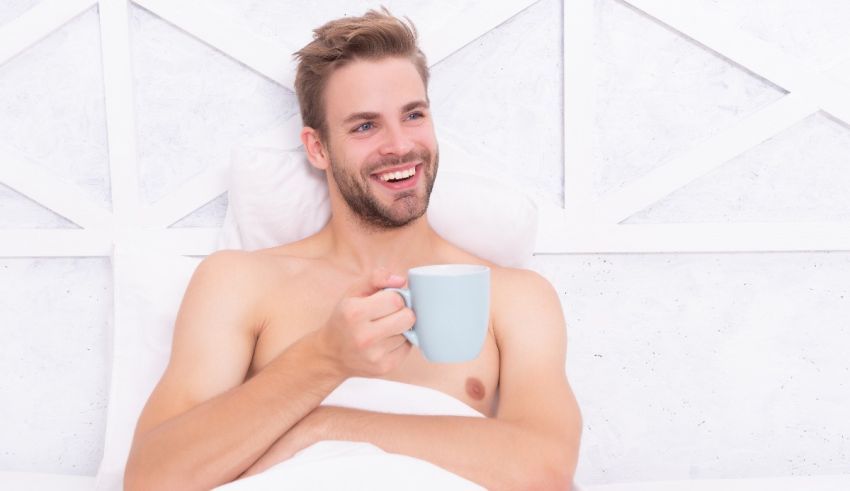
(263, 337)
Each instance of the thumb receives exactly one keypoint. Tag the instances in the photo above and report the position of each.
(378, 279)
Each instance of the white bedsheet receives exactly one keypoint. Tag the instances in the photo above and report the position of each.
(356, 465)
(351, 466)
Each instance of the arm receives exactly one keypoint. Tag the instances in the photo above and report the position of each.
(533, 441)
(202, 426)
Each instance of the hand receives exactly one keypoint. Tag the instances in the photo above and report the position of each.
(364, 332)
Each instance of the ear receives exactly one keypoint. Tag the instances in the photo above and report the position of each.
(317, 154)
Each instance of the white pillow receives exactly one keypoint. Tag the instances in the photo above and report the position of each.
(277, 197)
(148, 289)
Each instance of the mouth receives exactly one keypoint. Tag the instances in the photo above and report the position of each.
(400, 178)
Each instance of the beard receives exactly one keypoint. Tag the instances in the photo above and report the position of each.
(406, 207)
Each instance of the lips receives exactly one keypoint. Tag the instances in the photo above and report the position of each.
(397, 168)
(407, 183)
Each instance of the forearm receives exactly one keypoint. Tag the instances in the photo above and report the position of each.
(216, 441)
(494, 453)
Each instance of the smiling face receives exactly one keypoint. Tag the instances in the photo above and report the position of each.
(381, 147)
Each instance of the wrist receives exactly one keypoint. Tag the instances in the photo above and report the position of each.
(317, 425)
(323, 354)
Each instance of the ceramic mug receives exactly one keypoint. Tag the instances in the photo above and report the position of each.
(452, 307)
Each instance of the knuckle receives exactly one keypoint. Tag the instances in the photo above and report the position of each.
(374, 358)
(392, 299)
(398, 302)
(350, 310)
(361, 340)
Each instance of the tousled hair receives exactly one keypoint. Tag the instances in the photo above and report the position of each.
(374, 36)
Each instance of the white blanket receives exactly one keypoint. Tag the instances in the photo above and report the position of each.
(355, 465)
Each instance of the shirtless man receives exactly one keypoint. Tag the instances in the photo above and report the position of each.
(263, 337)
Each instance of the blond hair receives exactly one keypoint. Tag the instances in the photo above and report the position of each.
(375, 35)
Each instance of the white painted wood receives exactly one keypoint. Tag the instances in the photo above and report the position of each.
(560, 236)
(175, 241)
(266, 57)
(190, 196)
(579, 99)
(31, 481)
(55, 243)
(36, 23)
(440, 42)
(839, 69)
(590, 226)
(99, 242)
(833, 97)
(702, 158)
(40, 185)
(120, 114)
(712, 30)
(810, 90)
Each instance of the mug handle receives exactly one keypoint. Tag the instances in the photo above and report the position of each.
(410, 334)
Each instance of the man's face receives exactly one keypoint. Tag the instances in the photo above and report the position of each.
(381, 143)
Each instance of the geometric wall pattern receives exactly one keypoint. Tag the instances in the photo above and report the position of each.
(130, 211)
(605, 214)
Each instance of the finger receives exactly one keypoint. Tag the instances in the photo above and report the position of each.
(379, 278)
(394, 324)
(383, 303)
(398, 355)
(392, 343)
(402, 344)
(384, 278)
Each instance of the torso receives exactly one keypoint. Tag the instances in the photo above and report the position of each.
(305, 291)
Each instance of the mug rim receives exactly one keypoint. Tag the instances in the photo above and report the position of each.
(460, 269)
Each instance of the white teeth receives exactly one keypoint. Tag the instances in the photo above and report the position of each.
(398, 175)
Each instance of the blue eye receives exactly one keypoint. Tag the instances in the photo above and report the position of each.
(415, 115)
(364, 127)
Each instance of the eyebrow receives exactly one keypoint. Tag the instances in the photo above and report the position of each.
(413, 105)
(373, 115)
(358, 116)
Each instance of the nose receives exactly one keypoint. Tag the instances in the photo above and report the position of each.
(396, 141)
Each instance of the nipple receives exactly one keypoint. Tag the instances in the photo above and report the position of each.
(475, 389)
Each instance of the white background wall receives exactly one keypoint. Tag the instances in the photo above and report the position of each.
(721, 364)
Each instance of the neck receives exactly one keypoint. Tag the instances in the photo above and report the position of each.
(360, 249)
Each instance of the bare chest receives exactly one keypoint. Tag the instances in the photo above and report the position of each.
(297, 313)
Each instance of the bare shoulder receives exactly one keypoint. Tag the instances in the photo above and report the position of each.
(518, 282)
(517, 291)
(244, 279)
(255, 266)
(232, 270)
(525, 305)
(227, 284)
(264, 270)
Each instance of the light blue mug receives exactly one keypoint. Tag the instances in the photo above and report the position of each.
(452, 307)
